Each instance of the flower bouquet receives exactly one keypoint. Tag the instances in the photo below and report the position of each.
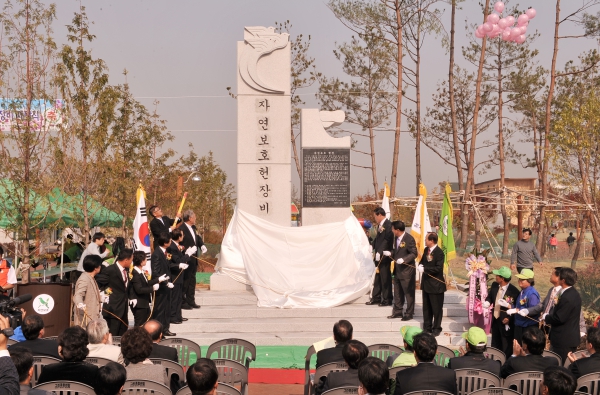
(478, 267)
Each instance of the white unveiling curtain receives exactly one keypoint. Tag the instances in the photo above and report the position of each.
(307, 267)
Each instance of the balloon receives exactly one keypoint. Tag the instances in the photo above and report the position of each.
(523, 19)
(506, 35)
(531, 13)
(488, 27)
(516, 32)
(511, 20)
(523, 29)
(520, 39)
(479, 34)
(499, 7)
(493, 18)
(503, 23)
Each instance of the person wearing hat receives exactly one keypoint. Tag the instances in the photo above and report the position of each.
(528, 298)
(503, 325)
(476, 341)
(407, 358)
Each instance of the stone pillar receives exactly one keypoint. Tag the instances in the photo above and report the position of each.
(264, 119)
(325, 168)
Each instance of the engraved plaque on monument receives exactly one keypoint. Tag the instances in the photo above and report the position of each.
(326, 177)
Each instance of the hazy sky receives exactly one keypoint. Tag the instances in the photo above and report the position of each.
(177, 50)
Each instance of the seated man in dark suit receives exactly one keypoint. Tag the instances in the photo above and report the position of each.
(529, 357)
(591, 364)
(33, 330)
(558, 381)
(342, 332)
(110, 379)
(202, 377)
(23, 360)
(476, 341)
(373, 376)
(425, 376)
(154, 328)
(353, 352)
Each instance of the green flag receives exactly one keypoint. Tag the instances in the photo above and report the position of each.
(445, 232)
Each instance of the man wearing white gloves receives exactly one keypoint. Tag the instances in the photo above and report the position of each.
(180, 256)
(382, 247)
(191, 239)
(502, 296)
(161, 268)
(142, 289)
(405, 252)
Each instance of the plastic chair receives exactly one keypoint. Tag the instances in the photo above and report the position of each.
(234, 349)
(309, 353)
(442, 356)
(38, 364)
(171, 367)
(428, 392)
(548, 353)
(393, 372)
(116, 341)
(382, 351)
(222, 389)
(232, 372)
(10, 342)
(324, 370)
(495, 355)
(589, 383)
(525, 383)
(97, 361)
(580, 393)
(66, 388)
(578, 354)
(469, 380)
(342, 391)
(51, 338)
(184, 349)
(138, 387)
(495, 391)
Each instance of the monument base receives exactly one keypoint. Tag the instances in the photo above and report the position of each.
(222, 282)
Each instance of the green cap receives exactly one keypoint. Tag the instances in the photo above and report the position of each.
(409, 332)
(475, 336)
(526, 274)
(503, 272)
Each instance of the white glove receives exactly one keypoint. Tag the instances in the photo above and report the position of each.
(486, 305)
(105, 263)
(105, 299)
(582, 334)
(511, 311)
(523, 312)
(80, 306)
(155, 287)
(420, 268)
(544, 317)
(400, 261)
(162, 278)
(387, 253)
(133, 302)
(203, 249)
(507, 327)
(377, 257)
(183, 266)
(503, 303)
(191, 251)
(170, 285)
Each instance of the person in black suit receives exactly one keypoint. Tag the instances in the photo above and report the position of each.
(72, 347)
(161, 268)
(23, 360)
(405, 253)
(476, 342)
(160, 223)
(33, 330)
(558, 381)
(141, 289)
(591, 364)
(342, 332)
(114, 281)
(529, 357)
(373, 376)
(502, 336)
(354, 352)
(433, 285)
(382, 248)
(191, 239)
(180, 256)
(154, 328)
(425, 376)
(564, 316)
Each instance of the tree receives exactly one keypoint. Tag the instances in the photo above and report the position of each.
(25, 76)
(365, 98)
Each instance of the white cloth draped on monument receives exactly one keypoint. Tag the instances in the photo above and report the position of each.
(307, 267)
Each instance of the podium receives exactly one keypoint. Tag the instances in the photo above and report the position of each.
(51, 301)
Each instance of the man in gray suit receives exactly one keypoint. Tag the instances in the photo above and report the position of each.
(405, 252)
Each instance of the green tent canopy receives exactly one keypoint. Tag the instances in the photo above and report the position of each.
(70, 210)
(40, 215)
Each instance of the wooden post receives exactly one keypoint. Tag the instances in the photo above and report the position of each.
(520, 217)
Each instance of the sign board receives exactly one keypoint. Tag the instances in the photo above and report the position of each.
(325, 177)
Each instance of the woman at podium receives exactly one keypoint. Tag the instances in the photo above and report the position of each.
(87, 301)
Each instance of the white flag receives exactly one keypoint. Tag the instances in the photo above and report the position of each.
(385, 202)
(141, 233)
(421, 225)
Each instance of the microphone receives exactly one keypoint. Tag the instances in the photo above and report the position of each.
(20, 299)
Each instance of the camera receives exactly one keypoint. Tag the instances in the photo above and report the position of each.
(14, 314)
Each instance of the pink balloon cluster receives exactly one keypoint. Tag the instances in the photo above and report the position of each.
(505, 27)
